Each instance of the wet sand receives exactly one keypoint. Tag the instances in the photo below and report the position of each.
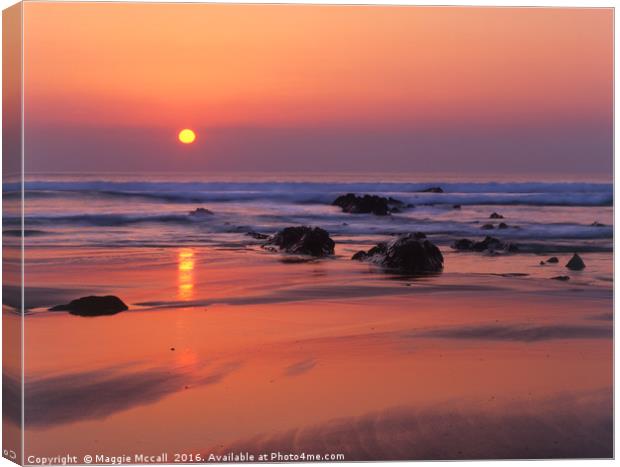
(244, 350)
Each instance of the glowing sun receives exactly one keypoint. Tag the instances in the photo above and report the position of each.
(187, 136)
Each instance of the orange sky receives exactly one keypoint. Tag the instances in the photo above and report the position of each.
(222, 65)
(300, 87)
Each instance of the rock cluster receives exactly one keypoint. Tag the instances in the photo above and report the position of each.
(367, 204)
(491, 244)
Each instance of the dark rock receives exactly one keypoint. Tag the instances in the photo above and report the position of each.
(419, 235)
(303, 241)
(433, 189)
(487, 227)
(395, 202)
(597, 224)
(576, 263)
(406, 254)
(93, 306)
(502, 225)
(542, 263)
(553, 259)
(367, 204)
(560, 278)
(496, 216)
(257, 235)
(463, 244)
(200, 212)
(379, 249)
(456, 206)
(359, 256)
(490, 244)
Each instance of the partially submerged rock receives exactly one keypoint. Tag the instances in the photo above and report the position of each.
(456, 206)
(487, 227)
(406, 254)
(464, 244)
(490, 244)
(93, 306)
(576, 263)
(201, 212)
(303, 241)
(368, 204)
(560, 278)
(553, 260)
(597, 224)
(502, 225)
(257, 235)
(433, 189)
(496, 216)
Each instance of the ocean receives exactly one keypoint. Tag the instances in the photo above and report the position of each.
(130, 210)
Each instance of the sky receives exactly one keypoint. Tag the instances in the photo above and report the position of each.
(287, 88)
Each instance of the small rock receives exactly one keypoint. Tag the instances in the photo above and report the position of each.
(257, 235)
(303, 241)
(456, 206)
(597, 224)
(200, 212)
(487, 227)
(502, 225)
(489, 244)
(433, 189)
(553, 259)
(542, 263)
(560, 278)
(395, 202)
(576, 263)
(496, 216)
(359, 256)
(463, 244)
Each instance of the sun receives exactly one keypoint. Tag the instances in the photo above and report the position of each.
(187, 136)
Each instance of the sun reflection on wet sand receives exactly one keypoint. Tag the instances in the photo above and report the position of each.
(185, 276)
